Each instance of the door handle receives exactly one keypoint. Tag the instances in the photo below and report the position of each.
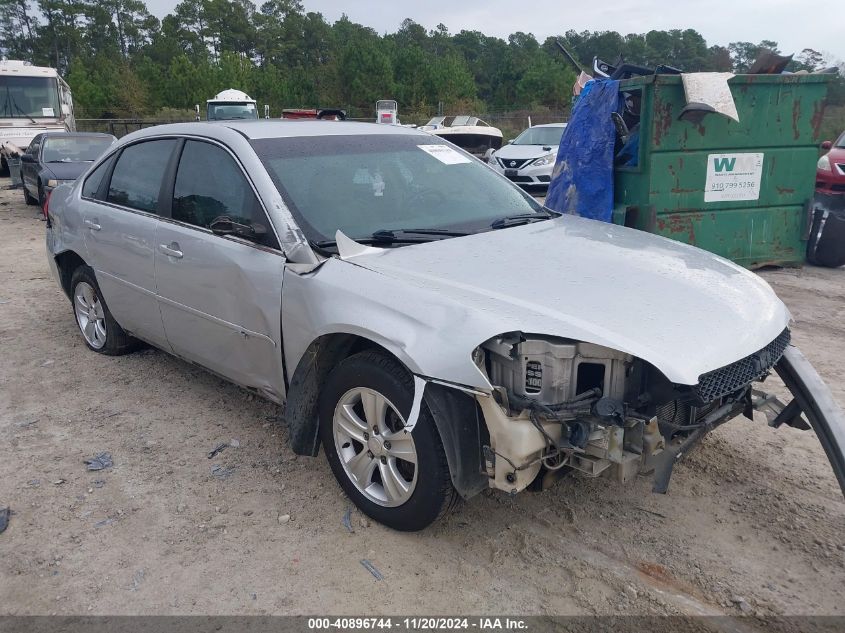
(171, 250)
(92, 225)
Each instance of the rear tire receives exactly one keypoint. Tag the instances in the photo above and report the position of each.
(401, 480)
(99, 330)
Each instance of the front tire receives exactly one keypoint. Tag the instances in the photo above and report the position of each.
(28, 198)
(399, 479)
(99, 330)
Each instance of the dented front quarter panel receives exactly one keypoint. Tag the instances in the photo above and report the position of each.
(681, 309)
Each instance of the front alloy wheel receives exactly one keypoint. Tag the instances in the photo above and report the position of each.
(397, 477)
(377, 454)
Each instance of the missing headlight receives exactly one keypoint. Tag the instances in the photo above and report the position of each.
(552, 370)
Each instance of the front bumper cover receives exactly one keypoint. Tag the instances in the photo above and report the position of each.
(813, 398)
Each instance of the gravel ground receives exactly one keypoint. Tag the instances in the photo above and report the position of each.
(753, 522)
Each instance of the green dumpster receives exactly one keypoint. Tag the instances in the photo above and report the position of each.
(741, 189)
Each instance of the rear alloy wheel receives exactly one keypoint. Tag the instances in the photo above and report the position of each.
(90, 315)
(98, 327)
(398, 478)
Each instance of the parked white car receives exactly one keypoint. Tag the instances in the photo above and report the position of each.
(425, 321)
(528, 160)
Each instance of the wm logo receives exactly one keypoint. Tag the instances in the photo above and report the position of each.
(724, 164)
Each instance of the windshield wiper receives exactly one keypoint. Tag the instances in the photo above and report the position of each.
(20, 109)
(398, 236)
(394, 234)
(524, 218)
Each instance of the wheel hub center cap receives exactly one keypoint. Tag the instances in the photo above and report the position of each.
(375, 445)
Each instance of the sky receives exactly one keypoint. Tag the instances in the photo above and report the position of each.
(794, 24)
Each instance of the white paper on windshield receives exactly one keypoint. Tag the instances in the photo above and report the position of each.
(732, 177)
(444, 154)
(47, 112)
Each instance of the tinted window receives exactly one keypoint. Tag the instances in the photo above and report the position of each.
(136, 179)
(209, 185)
(92, 183)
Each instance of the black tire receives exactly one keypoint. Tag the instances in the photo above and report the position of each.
(117, 341)
(433, 495)
(28, 198)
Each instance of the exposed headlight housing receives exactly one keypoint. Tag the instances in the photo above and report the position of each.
(553, 370)
(548, 159)
(824, 163)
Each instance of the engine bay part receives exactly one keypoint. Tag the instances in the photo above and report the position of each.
(568, 405)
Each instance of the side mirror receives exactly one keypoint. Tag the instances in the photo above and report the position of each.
(224, 225)
(827, 145)
(65, 109)
(27, 158)
(266, 111)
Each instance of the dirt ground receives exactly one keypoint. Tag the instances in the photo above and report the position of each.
(754, 522)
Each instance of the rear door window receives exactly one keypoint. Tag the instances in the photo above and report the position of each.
(91, 187)
(136, 179)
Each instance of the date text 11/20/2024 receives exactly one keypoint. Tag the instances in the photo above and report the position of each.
(418, 623)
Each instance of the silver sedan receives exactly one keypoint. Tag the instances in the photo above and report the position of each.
(422, 319)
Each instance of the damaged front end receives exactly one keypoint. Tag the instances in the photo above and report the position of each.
(560, 405)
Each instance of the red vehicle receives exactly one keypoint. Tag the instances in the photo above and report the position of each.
(313, 113)
(830, 171)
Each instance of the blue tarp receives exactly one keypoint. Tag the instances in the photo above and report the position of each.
(582, 180)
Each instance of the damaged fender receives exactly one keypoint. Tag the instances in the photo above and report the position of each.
(452, 407)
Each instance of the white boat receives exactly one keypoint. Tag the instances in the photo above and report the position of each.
(467, 132)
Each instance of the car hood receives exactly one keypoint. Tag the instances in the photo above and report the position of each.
(66, 171)
(523, 151)
(682, 309)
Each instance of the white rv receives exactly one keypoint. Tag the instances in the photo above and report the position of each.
(33, 99)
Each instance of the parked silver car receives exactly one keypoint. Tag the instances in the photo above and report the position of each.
(429, 324)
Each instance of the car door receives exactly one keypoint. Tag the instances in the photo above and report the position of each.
(30, 166)
(121, 202)
(220, 295)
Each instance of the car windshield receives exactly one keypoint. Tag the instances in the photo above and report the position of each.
(29, 97)
(364, 184)
(74, 149)
(225, 112)
(540, 136)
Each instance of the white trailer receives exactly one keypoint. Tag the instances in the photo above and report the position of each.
(33, 99)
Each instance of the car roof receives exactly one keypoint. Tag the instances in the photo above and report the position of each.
(266, 129)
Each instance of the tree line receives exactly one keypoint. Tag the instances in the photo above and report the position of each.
(121, 61)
